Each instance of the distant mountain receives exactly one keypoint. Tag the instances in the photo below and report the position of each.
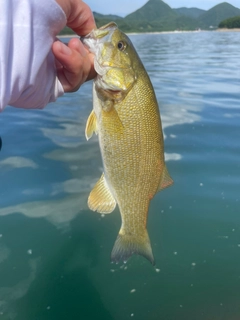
(102, 19)
(218, 13)
(152, 10)
(156, 15)
(189, 12)
(111, 17)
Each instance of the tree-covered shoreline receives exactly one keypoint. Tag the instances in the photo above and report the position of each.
(230, 23)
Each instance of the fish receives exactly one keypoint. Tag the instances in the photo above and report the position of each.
(126, 118)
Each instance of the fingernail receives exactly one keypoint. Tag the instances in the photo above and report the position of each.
(64, 48)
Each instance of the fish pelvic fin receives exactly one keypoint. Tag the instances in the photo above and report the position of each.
(101, 198)
(91, 125)
(128, 244)
(166, 180)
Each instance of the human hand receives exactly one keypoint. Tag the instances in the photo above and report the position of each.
(73, 61)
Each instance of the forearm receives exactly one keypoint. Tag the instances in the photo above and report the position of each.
(27, 73)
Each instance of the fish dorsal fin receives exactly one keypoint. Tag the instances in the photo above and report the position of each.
(91, 125)
(101, 198)
(166, 180)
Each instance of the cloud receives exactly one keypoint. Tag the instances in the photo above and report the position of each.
(59, 211)
(18, 162)
(172, 156)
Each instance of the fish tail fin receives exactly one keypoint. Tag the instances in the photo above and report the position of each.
(128, 244)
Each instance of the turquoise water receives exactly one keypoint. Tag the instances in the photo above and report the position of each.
(54, 252)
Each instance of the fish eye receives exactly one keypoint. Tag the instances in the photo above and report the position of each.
(121, 45)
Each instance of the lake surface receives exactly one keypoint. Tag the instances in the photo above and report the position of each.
(55, 252)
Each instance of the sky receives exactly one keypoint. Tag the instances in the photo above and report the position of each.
(124, 7)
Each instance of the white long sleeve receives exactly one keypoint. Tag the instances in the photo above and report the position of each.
(27, 70)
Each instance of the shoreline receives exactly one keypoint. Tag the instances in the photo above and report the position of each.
(164, 32)
(228, 30)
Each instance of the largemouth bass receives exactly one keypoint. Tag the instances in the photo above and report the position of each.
(126, 118)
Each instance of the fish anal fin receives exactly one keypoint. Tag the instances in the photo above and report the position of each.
(91, 125)
(166, 180)
(101, 198)
(128, 244)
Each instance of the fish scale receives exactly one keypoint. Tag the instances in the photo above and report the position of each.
(126, 118)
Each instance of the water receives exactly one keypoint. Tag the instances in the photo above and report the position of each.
(54, 252)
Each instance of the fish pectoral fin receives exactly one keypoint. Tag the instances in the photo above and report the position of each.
(101, 198)
(166, 180)
(117, 121)
(112, 121)
(91, 125)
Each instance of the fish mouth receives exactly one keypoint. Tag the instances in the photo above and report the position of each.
(96, 37)
(95, 40)
(102, 32)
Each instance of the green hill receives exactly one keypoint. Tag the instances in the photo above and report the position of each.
(102, 19)
(106, 16)
(218, 13)
(111, 17)
(152, 10)
(156, 15)
(230, 23)
(189, 12)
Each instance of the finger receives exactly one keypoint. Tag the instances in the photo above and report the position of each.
(74, 61)
(80, 17)
(77, 45)
(69, 67)
(76, 64)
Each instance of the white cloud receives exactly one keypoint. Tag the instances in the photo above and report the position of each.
(59, 212)
(18, 162)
